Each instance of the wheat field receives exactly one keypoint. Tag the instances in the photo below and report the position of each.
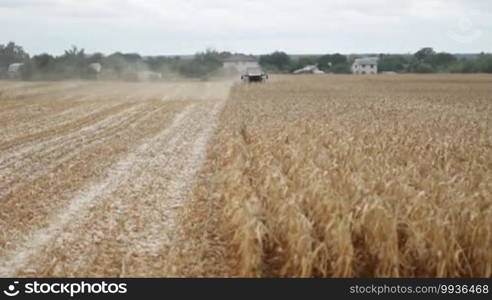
(343, 176)
(93, 174)
(303, 176)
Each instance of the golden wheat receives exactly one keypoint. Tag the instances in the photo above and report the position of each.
(307, 176)
(353, 176)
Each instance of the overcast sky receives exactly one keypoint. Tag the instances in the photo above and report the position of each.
(153, 27)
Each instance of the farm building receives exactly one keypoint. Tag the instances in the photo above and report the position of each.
(310, 69)
(240, 63)
(95, 70)
(14, 70)
(365, 65)
(95, 67)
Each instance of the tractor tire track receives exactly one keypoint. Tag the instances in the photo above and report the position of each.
(130, 230)
(120, 171)
(104, 197)
(51, 139)
(56, 118)
(33, 103)
(30, 209)
(42, 163)
(60, 130)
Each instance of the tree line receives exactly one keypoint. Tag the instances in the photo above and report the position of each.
(74, 63)
(281, 62)
(426, 60)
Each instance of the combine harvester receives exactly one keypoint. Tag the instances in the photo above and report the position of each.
(254, 75)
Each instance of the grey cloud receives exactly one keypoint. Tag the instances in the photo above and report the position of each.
(27, 3)
(180, 26)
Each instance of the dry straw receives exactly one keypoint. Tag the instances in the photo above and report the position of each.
(355, 176)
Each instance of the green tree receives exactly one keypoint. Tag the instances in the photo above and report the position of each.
(72, 64)
(302, 62)
(277, 61)
(44, 62)
(340, 68)
(308, 60)
(132, 58)
(95, 58)
(326, 62)
(484, 62)
(392, 63)
(203, 64)
(123, 65)
(336, 63)
(443, 59)
(12, 53)
(423, 61)
(424, 53)
(42, 66)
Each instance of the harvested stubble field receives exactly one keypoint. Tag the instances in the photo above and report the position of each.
(93, 175)
(302, 176)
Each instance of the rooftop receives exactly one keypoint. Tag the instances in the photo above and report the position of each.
(239, 57)
(366, 60)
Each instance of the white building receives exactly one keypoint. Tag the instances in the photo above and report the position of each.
(240, 63)
(96, 67)
(14, 70)
(15, 67)
(309, 69)
(365, 65)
